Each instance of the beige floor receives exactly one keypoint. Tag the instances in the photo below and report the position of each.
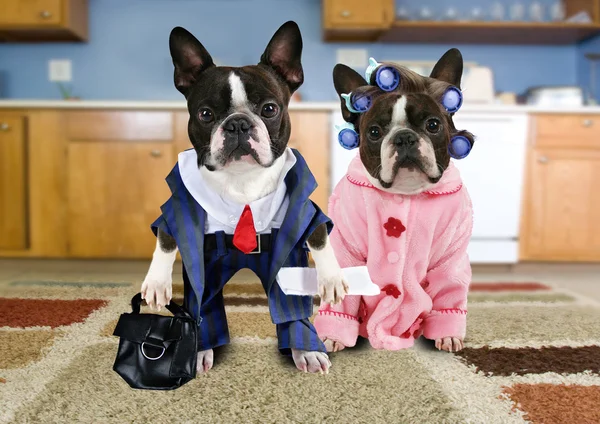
(582, 279)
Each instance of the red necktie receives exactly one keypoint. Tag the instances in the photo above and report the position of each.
(244, 237)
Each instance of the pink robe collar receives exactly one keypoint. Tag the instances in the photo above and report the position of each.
(450, 182)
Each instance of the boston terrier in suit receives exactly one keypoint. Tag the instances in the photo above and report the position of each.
(240, 198)
(402, 209)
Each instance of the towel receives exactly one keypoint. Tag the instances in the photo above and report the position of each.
(303, 281)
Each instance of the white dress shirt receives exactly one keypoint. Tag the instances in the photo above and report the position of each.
(223, 214)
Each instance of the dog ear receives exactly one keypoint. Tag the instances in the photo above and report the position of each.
(189, 57)
(449, 68)
(284, 53)
(345, 81)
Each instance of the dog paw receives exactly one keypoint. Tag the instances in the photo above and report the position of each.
(205, 361)
(157, 291)
(332, 286)
(310, 361)
(333, 346)
(449, 344)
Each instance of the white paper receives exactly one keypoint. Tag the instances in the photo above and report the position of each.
(303, 281)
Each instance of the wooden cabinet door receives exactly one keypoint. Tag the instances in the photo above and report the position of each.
(310, 136)
(356, 13)
(13, 219)
(562, 206)
(115, 190)
(30, 12)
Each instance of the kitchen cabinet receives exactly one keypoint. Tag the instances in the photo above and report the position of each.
(116, 166)
(352, 20)
(115, 189)
(561, 202)
(374, 20)
(310, 136)
(43, 20)
(13, 212)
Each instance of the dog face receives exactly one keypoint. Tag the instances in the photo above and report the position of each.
(238, 116)
(405, 134)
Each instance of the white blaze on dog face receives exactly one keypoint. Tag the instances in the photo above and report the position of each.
(239, 99)
(389, 153)
(242, 136)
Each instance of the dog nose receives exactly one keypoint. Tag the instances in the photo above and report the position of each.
(406, 138)
(237, 125)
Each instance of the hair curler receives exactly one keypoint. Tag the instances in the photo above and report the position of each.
(347, 136)
(452, 99)
(460, 147)
(357, 103)
(387, 78)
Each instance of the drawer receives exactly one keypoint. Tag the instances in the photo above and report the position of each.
(19, 13)
(355, 13)
(13, 187)
(567, 131)
(119, 125)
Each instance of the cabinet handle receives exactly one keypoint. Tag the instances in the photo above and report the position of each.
(4, 126)
(588, 123)
(543, 159)
(155, 153)
(345, 13)
(45, 14)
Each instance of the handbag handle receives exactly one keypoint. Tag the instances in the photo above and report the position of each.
(173, 307)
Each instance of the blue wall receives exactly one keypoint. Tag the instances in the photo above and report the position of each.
(584, 67)
(128, 58)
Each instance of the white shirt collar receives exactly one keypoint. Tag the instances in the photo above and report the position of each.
(226, 211)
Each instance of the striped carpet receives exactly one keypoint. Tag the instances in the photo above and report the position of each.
(532, 355)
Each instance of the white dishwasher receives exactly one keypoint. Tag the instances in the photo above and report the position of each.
(492, 173)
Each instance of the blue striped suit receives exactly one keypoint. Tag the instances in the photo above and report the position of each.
(205, 275)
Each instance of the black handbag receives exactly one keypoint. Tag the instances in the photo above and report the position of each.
(156, 352)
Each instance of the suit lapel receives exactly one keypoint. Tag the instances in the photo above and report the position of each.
(300, 185)
(186, 219)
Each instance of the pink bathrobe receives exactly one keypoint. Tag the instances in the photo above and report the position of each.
(415, 248)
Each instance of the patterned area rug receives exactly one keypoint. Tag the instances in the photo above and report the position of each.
(533, 354)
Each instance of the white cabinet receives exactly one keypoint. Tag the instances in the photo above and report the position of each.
(493, 174)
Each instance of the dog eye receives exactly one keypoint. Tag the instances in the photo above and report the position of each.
(269, 110)
(433, 126)
(374, 133)
(206, 115)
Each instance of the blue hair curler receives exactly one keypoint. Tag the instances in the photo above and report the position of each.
(452, 99)
(357, 103)
(347, 136)
(387, 78)
(459, 147)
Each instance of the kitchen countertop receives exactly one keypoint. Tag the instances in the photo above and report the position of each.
(316, 106)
